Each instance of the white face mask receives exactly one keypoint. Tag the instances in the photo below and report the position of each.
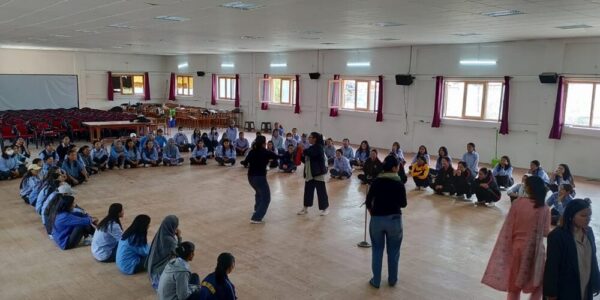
(289, 138)
(10, 152)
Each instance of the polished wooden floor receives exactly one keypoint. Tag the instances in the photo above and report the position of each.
(444, 253)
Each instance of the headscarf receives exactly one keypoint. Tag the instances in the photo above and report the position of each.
(171, 149)
(163, 247)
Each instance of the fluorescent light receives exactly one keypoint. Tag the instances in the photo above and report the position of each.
(278, 65)
(578, 26)
(227, 65)
(388, 24)
(241, 5)
(120, 25)
(358, 64)
(478, 62)
(171, 18)
(251, 37)
(503, 13)
(466, 34)
(183, 65)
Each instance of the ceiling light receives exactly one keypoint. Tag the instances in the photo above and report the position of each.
(503, 13)
(358, 64)
(240, 5)
(387, 24)
(389, 39)
(120, 25)
(278, 65)
(171, 18)
(478, 62)
(466, 34)
(182, 66)
(61, 36)
(87, 31)
(579, 26)
(328, 43)
(227, 65)
(251, 37)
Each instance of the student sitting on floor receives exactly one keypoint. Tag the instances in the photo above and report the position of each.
(295, 135)
(286, 160)
(485, 187)
(10, 166)
(471, 157)
(200, 154)
(196, 136)
(279, 127)
(22, 148)
(76, 173)
(442, 152)
(217, 285)
(329, 151)
(150, 155)
(371, 168)
(341, 166)
(177, 282)
(171, 155)
(419, 171)
(29, 182)
(443, 182)
(463, 180)
(273, 163)
(277, 141)
(49, 152)
(19, 153)
(100, 156)
(47, 186)
(421, 153)
(69, 227)
(84, 154)
(48, 162)
(347, 150)
(225, 154)
(562, 175)
(167, 238)
(517, 190)
(118, 155)
(63, 149)
(397, 151)
(160, 141)
(241, 145)
(503, 173)
(361, 154)
(133, 248)
(289, 140)
(107, 235)
(304, 141)
(559, 200)
(132, 160)
(182, 141)
(213, 136)
(231, 132)
(536, 171)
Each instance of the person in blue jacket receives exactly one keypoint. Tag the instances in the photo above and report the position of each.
(361, 154)
(118, 155)
(241, 144)
(286, 160)
(471, 157)
(278, 141)
(537, 171)
(200, 154)
(68, 227)
(225, 154)
(182, 141)
(341, 166)
(10, 165)
(76, 172)
(329, 151)
(149, 155)
(289, 140)
(100, 155)
(231, 133)
(29, 182)
(160, 139)
(347, 151)
(132, 160)
(107, 235)
(503, 172)
(559, 201)
(49, 151)
(171, 155)
(133, 246)
(217, 286)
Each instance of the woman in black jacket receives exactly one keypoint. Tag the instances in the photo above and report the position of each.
(385, 200)
(371, 168)
(315, 168)
(257, 160)
(443, 182)
(571, 265)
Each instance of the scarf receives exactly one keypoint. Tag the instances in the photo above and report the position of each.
(163, 245)
(390, 175)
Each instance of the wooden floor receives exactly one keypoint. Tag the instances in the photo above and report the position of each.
(444, 252)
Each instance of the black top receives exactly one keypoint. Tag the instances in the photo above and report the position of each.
(372, 167)
(444, 176)
(386, 197)
(62, 150)
(316, 155)
(258, 160)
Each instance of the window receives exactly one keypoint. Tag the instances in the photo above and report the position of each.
(226, 87)
(359, 94)
(477, 99)
(582, 103)
(128, 84)
(185, 85)
(282, 90)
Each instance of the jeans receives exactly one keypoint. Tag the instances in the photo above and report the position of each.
(384, 229)
(335, 173)
(172, 161)
(504, 181)
(262, 196)
(309, 194)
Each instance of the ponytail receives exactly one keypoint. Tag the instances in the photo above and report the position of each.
(224, 262)
(184, 250)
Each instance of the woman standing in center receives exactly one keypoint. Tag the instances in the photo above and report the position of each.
(517, 261)
(315, 168)
(257, 159)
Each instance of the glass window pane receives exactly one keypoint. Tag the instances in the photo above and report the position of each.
(493, 100)
(127, 85)
(138, 85)
(579, 104)
(349, 94)
(473, 105)
(228, 88)
(285, 91)
(277, 90)
(116, 81)
(191, 85)
(596, 119)
(293, 91)
(362, 95)
(232, 88)
(454, 99)
(222, 93)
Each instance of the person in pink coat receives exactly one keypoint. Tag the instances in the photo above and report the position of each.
(517, 261)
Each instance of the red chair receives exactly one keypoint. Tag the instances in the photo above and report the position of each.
(8, 133)
(25, 133)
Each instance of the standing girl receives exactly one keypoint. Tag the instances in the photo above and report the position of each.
(257, 160)
(315, 168)
(471, 157)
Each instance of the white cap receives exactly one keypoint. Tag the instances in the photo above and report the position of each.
(66, 189)
(132, 135)
(33, 167)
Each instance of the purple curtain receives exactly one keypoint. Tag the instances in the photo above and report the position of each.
(380, 100)
(264, 105)
(172, 86)
(146, 86)
(333, 112)
(505, 104)
(437, 108)
(297, 107)
(213, 93)
(237, 90)
(559, 111)
(110, 92)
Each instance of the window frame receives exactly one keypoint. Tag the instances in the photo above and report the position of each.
(484, 100)
(232, 83)
(133, 76)
(357, 79)
(281, 78)
(594, 82)
(190, 87)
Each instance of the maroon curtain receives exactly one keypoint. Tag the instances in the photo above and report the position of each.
(297, 107)
(559, 111)
(237, 90)
(213, 94)
(172, 86)
(437, 108)
(380, 101)
(333, 112)
(505, 104)
(146, 86)
(110, 92)
(264, 105)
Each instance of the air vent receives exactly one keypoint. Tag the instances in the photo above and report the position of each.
(328, 43)
(579, 26)
(240, 5)
(310, 38)
(503, 13)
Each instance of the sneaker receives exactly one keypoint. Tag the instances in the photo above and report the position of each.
(146, 166)
(50, 237)
(491, 204)
(373, 284)
(87, 241)
(256, 222)
(127, 166)
(303, 211)
(180, 164)
(324, 212)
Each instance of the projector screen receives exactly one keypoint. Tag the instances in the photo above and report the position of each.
(38, 91)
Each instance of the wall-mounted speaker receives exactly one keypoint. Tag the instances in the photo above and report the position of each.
(200, 73)
(548, 77)
(404, 79)
(315, 75)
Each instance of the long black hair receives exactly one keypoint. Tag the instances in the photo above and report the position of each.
(114, 212)
(389, 162)
(137, 233)
(224, 262)
(567, 174)
(360, 149)
(536, 189)
(442, 148)
(571, 210)
(508, 164)
(318, 138)
(27, 176)
(64, 204)
(185, 249)
(259, 142)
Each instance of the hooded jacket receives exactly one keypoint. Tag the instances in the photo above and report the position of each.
(174, 281)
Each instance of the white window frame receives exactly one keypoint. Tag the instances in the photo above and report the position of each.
(373, 97)
(270, 97)
(189, 88)
(595, 82)
(121, 76)
(231, 90)
(484, 99)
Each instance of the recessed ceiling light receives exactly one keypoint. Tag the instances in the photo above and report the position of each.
(278, 65)
(359, 64)
(503, 13)
(579, 26)
(389, 39)
(227, 65)
(251, 37)
(182, 66)
(240, 5)
(171, 18)
(120, 25)
(477, 62)
(466, 34)
(388, 24)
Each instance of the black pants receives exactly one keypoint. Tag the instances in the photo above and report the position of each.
(172, 162)
(185, 147)
(422, 182)
(462, 187)
(222, 161)
(195, 280)
(555, 216)
(77, 234)
(553, 187)
(365, 179)
(504, 181)
(198, 160)
(330, 161)
(446, 188)
(119, 161)
(485, 195)
(274, 163)
(101, 162)
(402, 175)
(309, 194)
(132, 163)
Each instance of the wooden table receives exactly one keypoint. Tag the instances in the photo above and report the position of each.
(96, 127)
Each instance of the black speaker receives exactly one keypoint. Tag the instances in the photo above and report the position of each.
(315, 75)
(404, 79)
(548, 77)
(200, 73)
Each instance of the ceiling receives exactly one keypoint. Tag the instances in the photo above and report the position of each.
(130, 26)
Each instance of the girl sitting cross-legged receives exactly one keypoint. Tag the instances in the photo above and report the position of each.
(341, 166)
(171, 155)
(199, 154)
(150, 155)
(286, 160)
(132, 160)
(118, 155)
(225, 154)
(361, 154)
